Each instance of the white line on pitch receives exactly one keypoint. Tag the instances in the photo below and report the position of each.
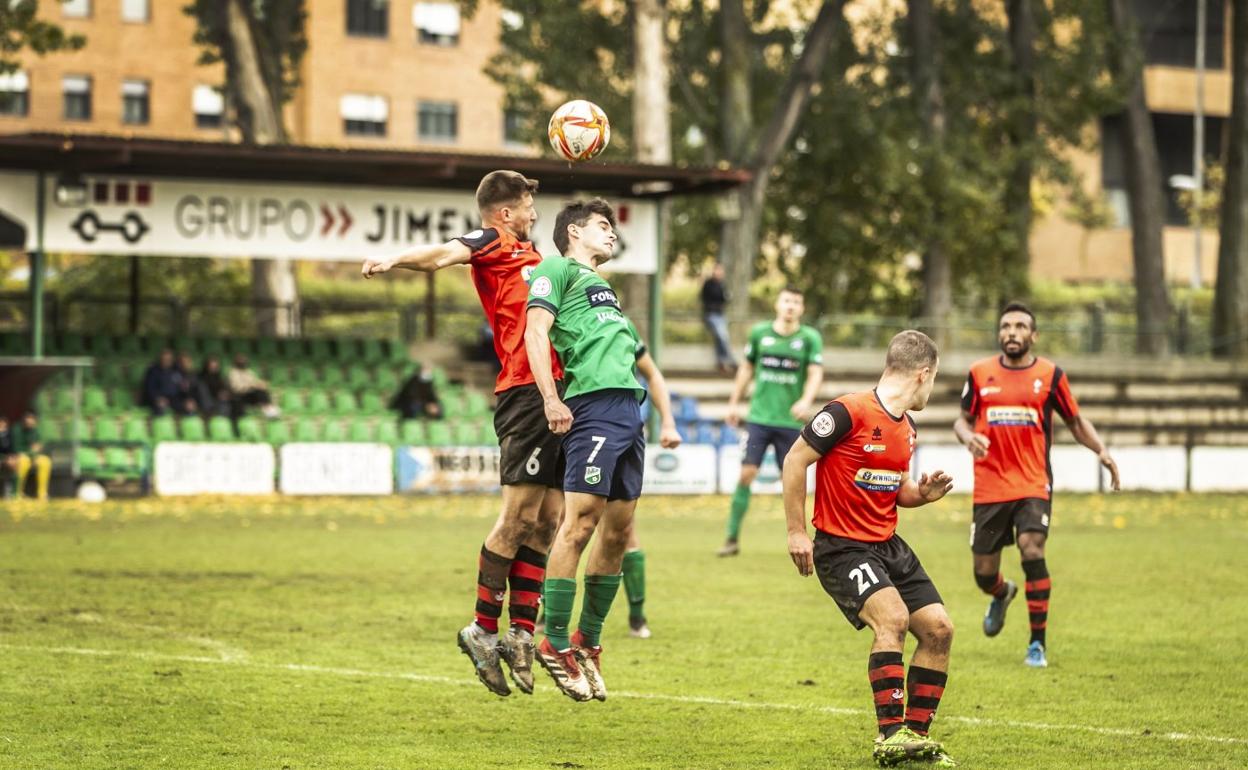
(692, 699)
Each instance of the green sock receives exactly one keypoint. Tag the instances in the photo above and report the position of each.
(600, 591)
(559, 594)
(740, 504)
(635, 583)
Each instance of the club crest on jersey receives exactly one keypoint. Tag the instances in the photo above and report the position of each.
(877, 434)
(1037, 385)
(526, 273)
(542, 287)
(1013, 416)
(874, 480)
(823, 424)
(593, 474)
(796, 344)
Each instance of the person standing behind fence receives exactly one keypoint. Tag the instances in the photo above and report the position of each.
(714, 297)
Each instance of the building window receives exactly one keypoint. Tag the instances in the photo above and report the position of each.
(209, 107)
(513, 127)
(437, 121)
(135, 106)
(364, 114)
(77, 91)
(436, 23)
(135, 11)
(76, 9)
(1168, 32)
(15, 94)
(368, 18)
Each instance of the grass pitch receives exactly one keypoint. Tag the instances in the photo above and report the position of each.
(320, 634)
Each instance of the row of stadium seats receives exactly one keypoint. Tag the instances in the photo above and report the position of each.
(384, 377)
(320, 349)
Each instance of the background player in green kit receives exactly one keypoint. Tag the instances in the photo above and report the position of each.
(599, 416)
(784, 359)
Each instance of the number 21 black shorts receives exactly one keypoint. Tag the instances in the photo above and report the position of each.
(851, 571)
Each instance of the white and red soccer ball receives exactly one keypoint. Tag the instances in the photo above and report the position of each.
(579, 130)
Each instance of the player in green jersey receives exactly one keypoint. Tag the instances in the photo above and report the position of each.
(574, 309)
(784, 359)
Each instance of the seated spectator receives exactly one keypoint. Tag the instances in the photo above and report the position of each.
(162, 391)
(188, 384)
(213, 393)
(418, 397)
(8, 456)
(247, 389)
(29, 448)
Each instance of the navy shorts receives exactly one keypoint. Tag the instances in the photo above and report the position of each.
(759, 437)
(605, 451)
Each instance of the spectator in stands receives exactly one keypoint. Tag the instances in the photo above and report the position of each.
(418, 397)
(29, 448)
(214, 391)
(8, 456)
(162, 392)
(188, 385)
(714, 297)
(247, 389)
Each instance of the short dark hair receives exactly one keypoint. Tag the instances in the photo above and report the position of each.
(1018, 307)
(498, 188)
(578, 213)
(910, 351)
(791, 289)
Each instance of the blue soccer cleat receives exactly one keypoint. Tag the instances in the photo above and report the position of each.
(1035, 656)
(994, 618)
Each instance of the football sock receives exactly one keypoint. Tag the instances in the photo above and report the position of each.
(994, 585)
(635, 583)
(558, 596)
(43, 473)
(23, 470)
(600, 591)
(888, 682)
(525, 581)
(491, 587)
(1037, 588)
(924, 686)
(740, 504)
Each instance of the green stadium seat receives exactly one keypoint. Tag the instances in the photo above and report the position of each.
(439, 434)
(291, 348)
(236, 345)
(135, 429)
(344, 403)
(185, 344)
(119, 461)
(62, 401)
(94, 401)
(347, 349)
(396, 351)
(452, 404)
(121, 398)
(106, 430)
(475, 404)
(387, 381)
(100, 346)
(360, 432)
(89, 462)
(488, 436)
(304, 375)
(320, 349)
(413, 433)
(266, 348)
(192, 429)
(318, 403)
(306, 430)
(220, 429)
(278, 374)
(86, 431)
(372, 404)
(359, 377)
(371, 351)
(128, 346)
(52, 430)
(212, 346)
(164, 428)
(276, 432)
(332, 430)
(332, 377)
(292, 402)
(250, 430)
(387, 433)
(466, 433)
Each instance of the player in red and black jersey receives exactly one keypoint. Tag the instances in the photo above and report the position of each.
(502, 258)
(1008, 404)
(863, 445)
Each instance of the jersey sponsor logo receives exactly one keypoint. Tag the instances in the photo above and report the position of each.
(542, 287)
(874, 480)
(988, 390)
(601, 296)
(767, 341)
(823, 424)
(874, 448)
(593, 474)
(780, 362)
(1013, 416)
(526, 273)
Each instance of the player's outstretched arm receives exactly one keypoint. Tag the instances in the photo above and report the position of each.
(537, 345)
(669, 437)
(929, 488)
(424, 258)
(976, 443)
(745, 374)
(1085, 433)
(796, 463)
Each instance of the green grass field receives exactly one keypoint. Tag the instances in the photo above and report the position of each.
(320, 634)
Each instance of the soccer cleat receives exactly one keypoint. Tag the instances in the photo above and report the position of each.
(729, 548)
(941, 759)
(590, 659)
(903, 746)
(1035, 656)
(563, 668)
(994, 619)
(481, 647)
(638, 629)
(517, 649)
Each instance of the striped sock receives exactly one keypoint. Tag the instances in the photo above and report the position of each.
(924, 686)
(888, 681)
(525, 580)
(993, 585)
(1037, 587)
(491, 588)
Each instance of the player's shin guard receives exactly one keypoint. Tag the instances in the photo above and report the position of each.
(888, 681)
(558, 596)
(491, 588)
(993, 585)
(1037, 588)
(528, 570)
(924, 686)
(740, 504)
(635, 583)
(600, 591)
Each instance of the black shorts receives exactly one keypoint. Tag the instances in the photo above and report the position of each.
(759, 437)
(851, 571)
(530, 453)
(605, 449)
(993, 525)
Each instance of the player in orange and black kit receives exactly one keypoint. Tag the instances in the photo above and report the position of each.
(863, 444)
(1007, 424)
(502, 259)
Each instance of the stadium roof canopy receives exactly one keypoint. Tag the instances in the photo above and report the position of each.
(102, 154)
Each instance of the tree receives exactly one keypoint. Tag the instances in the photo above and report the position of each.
(1230, 298)
(20, 30)
(261, 43)
(1144, 191)
(1021, 131)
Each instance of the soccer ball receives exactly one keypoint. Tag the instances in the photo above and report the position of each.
(579, 130)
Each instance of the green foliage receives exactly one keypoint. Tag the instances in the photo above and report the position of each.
(20, 30)
(279, 29)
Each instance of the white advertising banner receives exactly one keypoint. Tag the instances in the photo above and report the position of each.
(337, 469)
(214, 469)
(950, 458)
(685, 470)
(156, 216)
(1219, 469)
(1075, 469)
(1151, 468)
(767, 482)
(449, 469)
